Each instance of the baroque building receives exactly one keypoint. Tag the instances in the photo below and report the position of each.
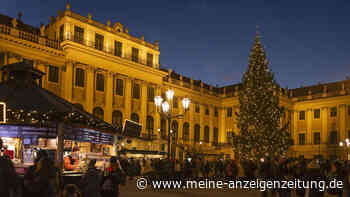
(114, 75)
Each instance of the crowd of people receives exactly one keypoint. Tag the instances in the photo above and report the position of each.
(44, 178)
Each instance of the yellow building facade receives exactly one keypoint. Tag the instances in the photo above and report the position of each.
(115, 76)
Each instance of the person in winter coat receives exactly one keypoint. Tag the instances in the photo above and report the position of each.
(90, 182)
(110, 183)
(41, 180)
(9, 182)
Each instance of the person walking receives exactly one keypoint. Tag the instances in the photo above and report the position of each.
(90, 182)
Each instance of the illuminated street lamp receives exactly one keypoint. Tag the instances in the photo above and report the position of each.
(164, 107)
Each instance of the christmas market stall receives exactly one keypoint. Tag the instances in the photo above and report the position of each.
(33, 118)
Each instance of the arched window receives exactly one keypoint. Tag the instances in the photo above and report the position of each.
(206, 134)
(162, 127)
(186, 131)
(197, 133)
(150, 125)
(117, 118)
(98, 112)
(175, 128)
(135, 117)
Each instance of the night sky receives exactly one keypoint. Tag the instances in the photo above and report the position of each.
(307, 42)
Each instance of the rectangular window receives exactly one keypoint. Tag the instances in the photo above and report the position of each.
(53, 74)
(149, 59)
(301, 138)
(135, 54)
(349, 134)
(334, 112)
(349, 110)
(99, 41)
(61, 34)
(197, 108)
(78, 34)
(136, 91)
(216, 112)
(100, 82)
(317, 114)
(216, 135)
(118, 48)
(80, 77)
(333, 137)
(150, 93)
(229, 112)
(175, 102)
(207, 111)
(2, 58)
(302, 115)
(317, 138)
(120, 87)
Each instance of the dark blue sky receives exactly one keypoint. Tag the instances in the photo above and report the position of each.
(307, 42)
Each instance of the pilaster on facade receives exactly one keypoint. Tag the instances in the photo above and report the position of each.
(222, 125)
(309, 126)
(143, 114)
(109, 97)
(90, 88)
(324, 117)
(192, 123)
(211, 124)
(180, 121)
(295, 126)
(342, 122)
(201, 121)
(128, 99)
(40, 66)
(68, 80)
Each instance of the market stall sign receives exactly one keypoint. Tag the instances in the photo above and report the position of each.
(2, 112)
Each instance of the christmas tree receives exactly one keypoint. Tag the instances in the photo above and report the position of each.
(259, 119)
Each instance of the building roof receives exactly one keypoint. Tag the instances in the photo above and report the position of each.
(6, 20)
(27, 102)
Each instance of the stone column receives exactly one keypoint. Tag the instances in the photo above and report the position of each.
(68, 80)
(181, 120)
(109, 98)
(201, 121)
(143, 114)
(128, 99)
(324, 117)
(342, 122)
(90, 88)
(191, 115)
(38, 65)
(309, 126)
(211, 125)
(222, 125)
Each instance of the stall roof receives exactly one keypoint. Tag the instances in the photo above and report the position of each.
(28, 103)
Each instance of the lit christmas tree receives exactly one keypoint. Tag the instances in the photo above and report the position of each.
(259, 119)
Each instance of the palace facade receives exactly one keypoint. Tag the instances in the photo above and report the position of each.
(114, 75)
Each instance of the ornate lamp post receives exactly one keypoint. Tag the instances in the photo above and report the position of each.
(164, 108)
(346, 145)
